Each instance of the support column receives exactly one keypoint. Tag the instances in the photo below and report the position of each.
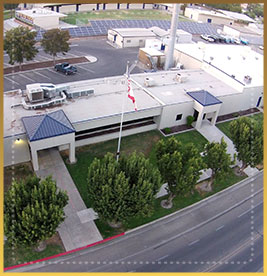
(34, 159)
(214, 117)
(199, 120)
(77, 7)
(72, 158)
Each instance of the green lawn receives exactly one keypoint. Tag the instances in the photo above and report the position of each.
(225, 126)
(178, 203)
(27, 254)
(142, 142)
(79, 18)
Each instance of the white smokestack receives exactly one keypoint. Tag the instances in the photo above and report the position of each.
(174, 24)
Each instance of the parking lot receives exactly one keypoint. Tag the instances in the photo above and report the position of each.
(110, 62)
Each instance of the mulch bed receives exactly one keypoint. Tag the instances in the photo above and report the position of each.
(237, 114)
(43, 64)
(175, 129)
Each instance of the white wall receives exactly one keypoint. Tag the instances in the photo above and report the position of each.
(67, 9)
(188, 61)
(87, 7)
(231, 31)
(169, 113)
(215, 19)
(16, 152)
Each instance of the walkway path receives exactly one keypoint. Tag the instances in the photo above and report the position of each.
(213, 134)
(78, 229)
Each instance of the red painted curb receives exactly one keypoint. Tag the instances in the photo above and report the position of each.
(64, 253)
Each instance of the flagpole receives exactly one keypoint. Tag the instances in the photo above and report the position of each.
(122, 112)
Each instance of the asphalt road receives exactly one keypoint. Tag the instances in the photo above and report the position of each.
(110, 62)
(223, 233)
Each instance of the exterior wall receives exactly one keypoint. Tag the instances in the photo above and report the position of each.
(112, 6)
(116, 119)
(19, 153)
(67, 9)
(191, 13)
(44, 22)
(241, 101)
(188, 61)
(134, 41)
(169, 113)
(52, 142)
(215, 19)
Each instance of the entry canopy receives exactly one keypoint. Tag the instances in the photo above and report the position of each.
(204, 97)
(47, 125)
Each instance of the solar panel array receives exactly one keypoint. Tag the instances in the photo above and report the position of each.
(101, 27)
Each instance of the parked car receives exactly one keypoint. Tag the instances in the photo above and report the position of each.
(207, 38)
(237, 41)
(66, 68)
(243, 41)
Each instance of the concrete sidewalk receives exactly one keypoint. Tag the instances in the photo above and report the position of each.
(78, 229)
(213, 134)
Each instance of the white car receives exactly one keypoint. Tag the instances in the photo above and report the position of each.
(207, 38)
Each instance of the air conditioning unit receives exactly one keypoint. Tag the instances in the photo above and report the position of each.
(247, 79)
(149, 82)
(34, 93)
(181, 78)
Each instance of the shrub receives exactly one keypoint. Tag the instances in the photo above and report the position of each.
(189, 120)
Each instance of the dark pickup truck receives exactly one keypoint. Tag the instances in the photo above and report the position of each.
(66, 68)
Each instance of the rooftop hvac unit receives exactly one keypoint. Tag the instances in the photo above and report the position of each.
(247, 79)
(34, 93)
(149, 82)
(180, 78)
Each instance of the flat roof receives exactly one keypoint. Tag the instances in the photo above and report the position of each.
(106, 101)
(39, 12)
(129, 32)
(169, 90)
(238, 16)
(152, 52)
(237, 60)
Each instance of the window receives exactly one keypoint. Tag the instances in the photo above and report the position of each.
(179, 117)
(141, 40)
(209, 20)
(128, 41)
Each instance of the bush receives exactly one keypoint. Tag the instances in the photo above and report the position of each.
(189, 120)
(167, 130)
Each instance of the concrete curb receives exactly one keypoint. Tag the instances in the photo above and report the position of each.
(193, 206)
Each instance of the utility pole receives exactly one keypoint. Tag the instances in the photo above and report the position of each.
(174, 24)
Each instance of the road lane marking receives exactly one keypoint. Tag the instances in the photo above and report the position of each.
(219, 228)
(11, 80)
(191, 243)
(249, 210)
(161, 258)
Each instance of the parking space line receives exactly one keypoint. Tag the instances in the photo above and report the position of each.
(219, 228)
(161, 258)
(11, 80)
(72, 55)
(43, 57)
(86, 69)
(26, 77)
(35, 72)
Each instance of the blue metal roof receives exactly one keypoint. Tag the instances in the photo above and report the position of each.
(47, 125)
(204, 97)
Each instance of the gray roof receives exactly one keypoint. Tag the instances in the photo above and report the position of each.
(238, 16)
(204, 97)
(47, 125)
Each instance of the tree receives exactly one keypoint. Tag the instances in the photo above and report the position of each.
(10, 7)
(227, 7)
(19, 43)
(179, 166)
(123, 189)
(247, 136)
(33, 209)
(217, 159)
(56, 41)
